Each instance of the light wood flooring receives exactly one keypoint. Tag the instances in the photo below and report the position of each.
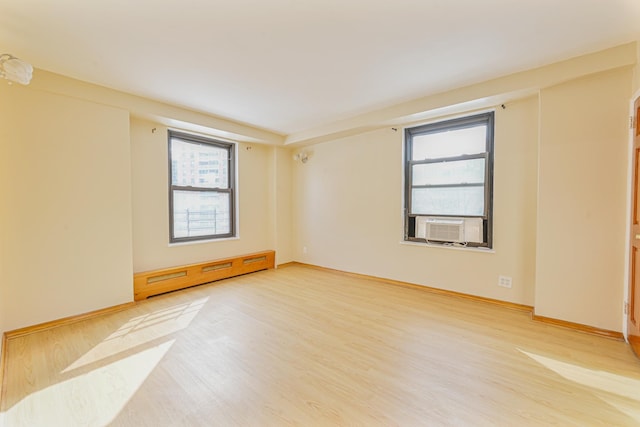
(300, 346)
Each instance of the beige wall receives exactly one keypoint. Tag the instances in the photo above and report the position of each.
(348, 212)
(151, 249)
(59, 229)
(65, 218)
(636, 72)
(582, 199)
(282, 199)
(567, 260)
(85, 197)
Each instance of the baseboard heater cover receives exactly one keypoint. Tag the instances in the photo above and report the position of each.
(157, 282)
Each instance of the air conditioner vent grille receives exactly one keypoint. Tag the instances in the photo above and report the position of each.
(445, 232)
(451, 229)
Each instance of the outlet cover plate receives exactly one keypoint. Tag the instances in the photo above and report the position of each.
(504, 281)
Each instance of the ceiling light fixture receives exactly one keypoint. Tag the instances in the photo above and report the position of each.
(15, 69)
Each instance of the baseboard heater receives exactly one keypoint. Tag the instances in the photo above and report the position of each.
(157, 282)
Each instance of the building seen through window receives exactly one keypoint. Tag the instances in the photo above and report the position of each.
(201, 188)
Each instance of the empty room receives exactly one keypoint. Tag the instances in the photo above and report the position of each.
(319, 213)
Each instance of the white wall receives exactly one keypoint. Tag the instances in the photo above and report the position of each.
(149, 166)
(348, 212)
(582, 202)
(65, 218)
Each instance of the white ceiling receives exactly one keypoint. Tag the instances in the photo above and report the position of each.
(291, 65)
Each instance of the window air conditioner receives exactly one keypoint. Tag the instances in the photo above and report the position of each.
(457, 230)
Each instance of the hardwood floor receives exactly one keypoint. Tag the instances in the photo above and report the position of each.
(299, 346)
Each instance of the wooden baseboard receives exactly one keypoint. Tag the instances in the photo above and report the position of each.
(3, 367)
(510, 305)
(287, 264)
(505, 304)
(9, 335)
(579, 327)
(165, 280)
(65, 321)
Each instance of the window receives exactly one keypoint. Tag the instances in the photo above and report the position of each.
(448, 180)
(201, 200)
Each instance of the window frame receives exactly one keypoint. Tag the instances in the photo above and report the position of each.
(230, 189)
(487, 119)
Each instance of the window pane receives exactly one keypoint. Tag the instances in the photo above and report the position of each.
(458, 172)
(201, 213)
(198, 165)
(450, 143)
(448, 201)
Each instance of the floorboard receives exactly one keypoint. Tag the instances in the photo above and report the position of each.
(304, 347)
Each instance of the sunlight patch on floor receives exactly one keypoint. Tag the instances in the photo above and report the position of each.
(81, 401)
(627, 407)
(141, 330)
(600, 380)
(616, 390)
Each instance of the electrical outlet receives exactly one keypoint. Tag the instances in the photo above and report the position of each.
(504, 281)
(304, 249)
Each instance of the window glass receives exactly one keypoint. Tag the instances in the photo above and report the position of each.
(450, 143)
(200, 213)
(455, 172)
(190, 164)
(458, 201)
(201, 188)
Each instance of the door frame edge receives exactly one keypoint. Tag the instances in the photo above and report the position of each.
(627, 260)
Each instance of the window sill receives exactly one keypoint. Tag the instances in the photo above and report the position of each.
(199, 242)
(454, 248)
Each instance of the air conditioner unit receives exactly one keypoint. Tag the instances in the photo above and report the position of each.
(456, 230)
